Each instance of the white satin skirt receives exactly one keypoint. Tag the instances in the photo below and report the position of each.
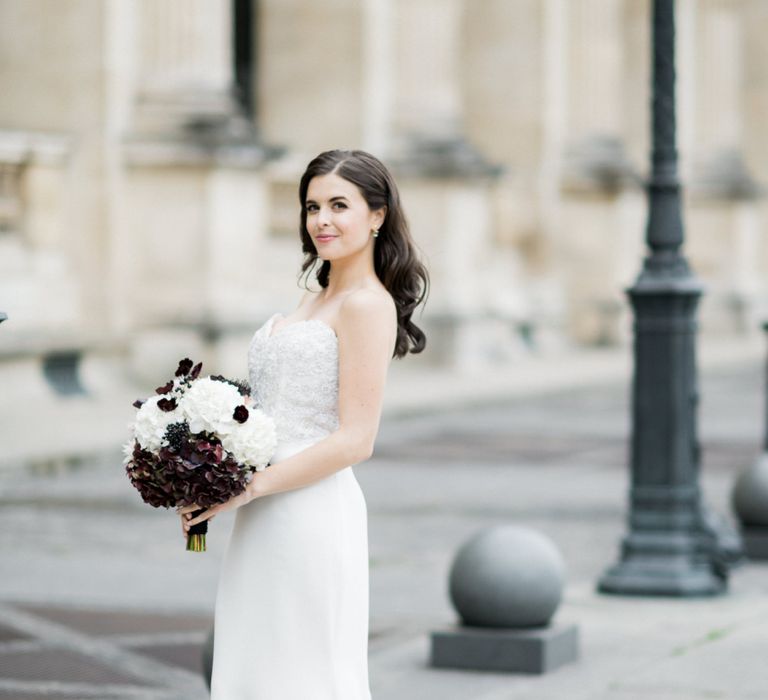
(292, 602)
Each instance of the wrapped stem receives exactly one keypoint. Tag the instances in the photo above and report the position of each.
(196, 534)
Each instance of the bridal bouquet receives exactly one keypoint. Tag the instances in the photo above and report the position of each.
(197, 442)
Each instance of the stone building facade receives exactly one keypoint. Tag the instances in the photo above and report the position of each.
(150, 152)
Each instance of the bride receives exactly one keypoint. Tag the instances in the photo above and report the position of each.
(292, 604)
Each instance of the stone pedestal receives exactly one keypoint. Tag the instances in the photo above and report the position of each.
(755, 541)
(533, 651)
(506, 583)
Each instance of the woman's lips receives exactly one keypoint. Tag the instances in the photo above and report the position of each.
(324, 239)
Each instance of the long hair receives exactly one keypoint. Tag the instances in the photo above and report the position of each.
(395, 258)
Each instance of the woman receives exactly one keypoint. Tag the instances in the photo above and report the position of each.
(292, 604)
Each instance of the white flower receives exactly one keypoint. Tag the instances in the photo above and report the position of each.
(128, 451)
(208, 406)
(252, 443)
(151, 422)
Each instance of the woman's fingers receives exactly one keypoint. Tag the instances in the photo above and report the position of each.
(188, 509)
(205, 515)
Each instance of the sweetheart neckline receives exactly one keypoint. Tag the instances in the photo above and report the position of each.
(271, 324)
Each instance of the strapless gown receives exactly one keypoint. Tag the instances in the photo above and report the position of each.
(292, 603)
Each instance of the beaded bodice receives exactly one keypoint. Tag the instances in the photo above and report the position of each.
(295, 377)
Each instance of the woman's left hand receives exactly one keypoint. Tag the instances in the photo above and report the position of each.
(213, 511)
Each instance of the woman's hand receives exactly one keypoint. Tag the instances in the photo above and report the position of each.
(187, 521)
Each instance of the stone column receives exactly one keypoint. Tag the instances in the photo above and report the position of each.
(428, 41)
(513, 84)
(636, 37)
(724, 193)
(193, 199)
(312, 61)
(185, 80)
(601, 208)
(38, 286)
(755, 86)
(378, 77)
(595, 154)
(755, 106)
(446, 182)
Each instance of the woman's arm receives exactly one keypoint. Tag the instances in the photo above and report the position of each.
(366, 330)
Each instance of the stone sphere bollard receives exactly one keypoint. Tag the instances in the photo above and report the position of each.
(749, 499)
(750, 494)
(506, 584)
(507, 576)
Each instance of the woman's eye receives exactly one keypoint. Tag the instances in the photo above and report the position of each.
(311, 207)
(340, 205)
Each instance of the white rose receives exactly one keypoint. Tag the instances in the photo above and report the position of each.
(252, 443)
(151, 422)
(208, 406)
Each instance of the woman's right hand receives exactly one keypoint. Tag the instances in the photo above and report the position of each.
(184, 518)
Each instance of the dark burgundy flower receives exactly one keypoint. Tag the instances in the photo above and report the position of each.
(184, 366)
(241, 414)
(167, 404)
(138, 403)
(195, 373)
(165, 388)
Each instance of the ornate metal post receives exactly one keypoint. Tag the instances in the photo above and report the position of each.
(670, 548)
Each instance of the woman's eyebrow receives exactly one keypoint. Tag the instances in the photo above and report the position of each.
(332, 199)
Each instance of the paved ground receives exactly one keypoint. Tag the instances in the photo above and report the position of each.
(98, 599)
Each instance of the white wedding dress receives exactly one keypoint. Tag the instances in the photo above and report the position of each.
(292, 604)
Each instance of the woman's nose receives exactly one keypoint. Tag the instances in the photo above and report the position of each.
(323, 217)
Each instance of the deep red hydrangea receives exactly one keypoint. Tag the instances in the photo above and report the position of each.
(197, 473)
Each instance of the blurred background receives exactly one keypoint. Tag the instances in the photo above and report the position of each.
(150, 152)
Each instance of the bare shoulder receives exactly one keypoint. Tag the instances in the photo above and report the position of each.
(369, 303)
(371, 310)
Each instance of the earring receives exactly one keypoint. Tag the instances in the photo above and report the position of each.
(375, 233)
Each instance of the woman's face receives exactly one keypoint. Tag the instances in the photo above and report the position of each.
(338, 218)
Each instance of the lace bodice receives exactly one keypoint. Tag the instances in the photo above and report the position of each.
(295, 377)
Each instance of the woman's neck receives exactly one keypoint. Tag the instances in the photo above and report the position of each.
(346, 276)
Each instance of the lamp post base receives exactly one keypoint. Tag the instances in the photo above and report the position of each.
(656, 576)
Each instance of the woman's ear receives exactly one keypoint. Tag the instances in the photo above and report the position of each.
(378, 217)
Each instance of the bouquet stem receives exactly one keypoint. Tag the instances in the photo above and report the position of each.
(196, 534)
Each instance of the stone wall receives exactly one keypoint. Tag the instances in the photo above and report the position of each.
(151, 202)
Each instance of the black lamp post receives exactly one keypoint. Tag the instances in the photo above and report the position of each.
(672, 547)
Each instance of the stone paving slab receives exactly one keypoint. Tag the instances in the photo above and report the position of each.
(89, 569)
(149, 656)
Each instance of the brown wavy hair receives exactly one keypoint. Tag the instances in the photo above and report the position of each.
(395, 257)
